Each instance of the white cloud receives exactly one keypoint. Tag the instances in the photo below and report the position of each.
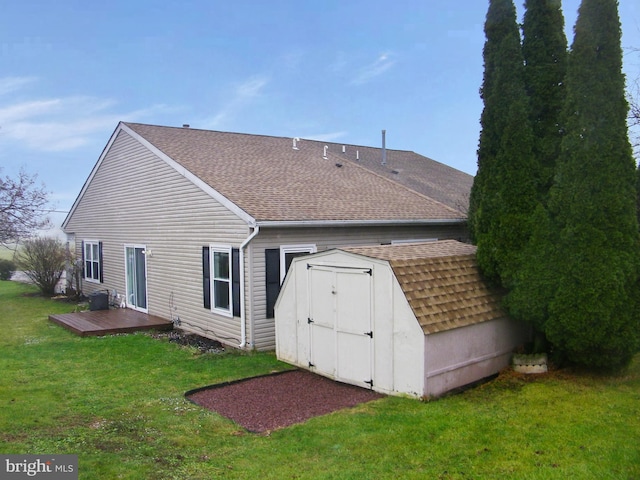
(11, 84)
(243, 94)
(19, 111)
(383, 63)
(327, 137)
(59, 124)
(62, 124)
(216, 121)
(250, 88)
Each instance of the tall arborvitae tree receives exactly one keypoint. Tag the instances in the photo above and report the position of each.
(544, 47)
(593, 312)
(638, 194)
(504, 192)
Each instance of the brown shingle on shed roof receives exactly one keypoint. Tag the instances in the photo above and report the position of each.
(441, 282)
(271, 181)
(412, 251)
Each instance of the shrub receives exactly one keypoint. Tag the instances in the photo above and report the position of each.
(43, 261)
(7, 267)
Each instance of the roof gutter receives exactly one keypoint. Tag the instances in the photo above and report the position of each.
(358, 223)
(243, 315)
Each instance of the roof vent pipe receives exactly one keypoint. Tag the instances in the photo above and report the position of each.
(295, 143)
(358, 155)
(324, 153)
(384, 147)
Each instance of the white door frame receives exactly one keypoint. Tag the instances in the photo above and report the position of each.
(131, 302)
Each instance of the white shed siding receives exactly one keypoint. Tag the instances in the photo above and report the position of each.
(397, 336)
(383, 329)
(288, 307)
(406, 360)
(136, 198)
(408, 344)
(454, 358)
(262, 335)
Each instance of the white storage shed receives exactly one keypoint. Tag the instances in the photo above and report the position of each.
(413, 319)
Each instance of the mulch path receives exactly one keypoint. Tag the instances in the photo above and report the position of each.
(269, 402)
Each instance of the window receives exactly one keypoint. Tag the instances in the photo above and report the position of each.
(92, 260)
(288, 253)
(221, 279)
(221, 263)
(277, 262)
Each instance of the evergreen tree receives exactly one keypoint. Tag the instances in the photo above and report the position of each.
(592, 315)
(544, 47)
(503, 195)
(638, 194)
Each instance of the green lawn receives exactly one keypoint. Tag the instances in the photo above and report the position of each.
(118, 403)
(7, 253)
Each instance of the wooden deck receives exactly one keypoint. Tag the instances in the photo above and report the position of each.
(106, 322)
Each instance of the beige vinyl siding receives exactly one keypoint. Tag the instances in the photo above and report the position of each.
(136, 198)
(262, 331)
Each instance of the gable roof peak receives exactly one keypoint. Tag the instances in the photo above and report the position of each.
(273, 182)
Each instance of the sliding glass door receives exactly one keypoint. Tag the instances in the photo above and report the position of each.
(136, 272)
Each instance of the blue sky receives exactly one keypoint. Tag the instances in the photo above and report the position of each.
(338, 70)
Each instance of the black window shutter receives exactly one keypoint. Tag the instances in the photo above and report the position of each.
(272, 268)
(206, 278)
(84, 267)
(100, 262)
(235, 278)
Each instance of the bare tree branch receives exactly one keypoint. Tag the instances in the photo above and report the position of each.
(23, 207)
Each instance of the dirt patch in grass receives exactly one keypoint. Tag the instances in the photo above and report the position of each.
(269, 402)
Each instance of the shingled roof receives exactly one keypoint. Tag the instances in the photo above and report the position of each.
(441, 282)
(273, 182)
(422, 174)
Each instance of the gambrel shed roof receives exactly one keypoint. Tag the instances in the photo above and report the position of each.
(441, 282)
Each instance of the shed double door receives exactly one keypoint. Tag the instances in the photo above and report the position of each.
(340, 330)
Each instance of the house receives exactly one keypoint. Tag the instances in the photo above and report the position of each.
(199, 227)
(412, 319)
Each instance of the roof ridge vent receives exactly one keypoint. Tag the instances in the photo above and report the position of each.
(295, 143)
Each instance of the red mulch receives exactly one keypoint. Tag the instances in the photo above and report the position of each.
(275, 401)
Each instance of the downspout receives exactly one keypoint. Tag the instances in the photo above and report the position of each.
(243, 319)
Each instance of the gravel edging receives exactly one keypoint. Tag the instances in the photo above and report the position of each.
(269, 402)
(200, 343)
